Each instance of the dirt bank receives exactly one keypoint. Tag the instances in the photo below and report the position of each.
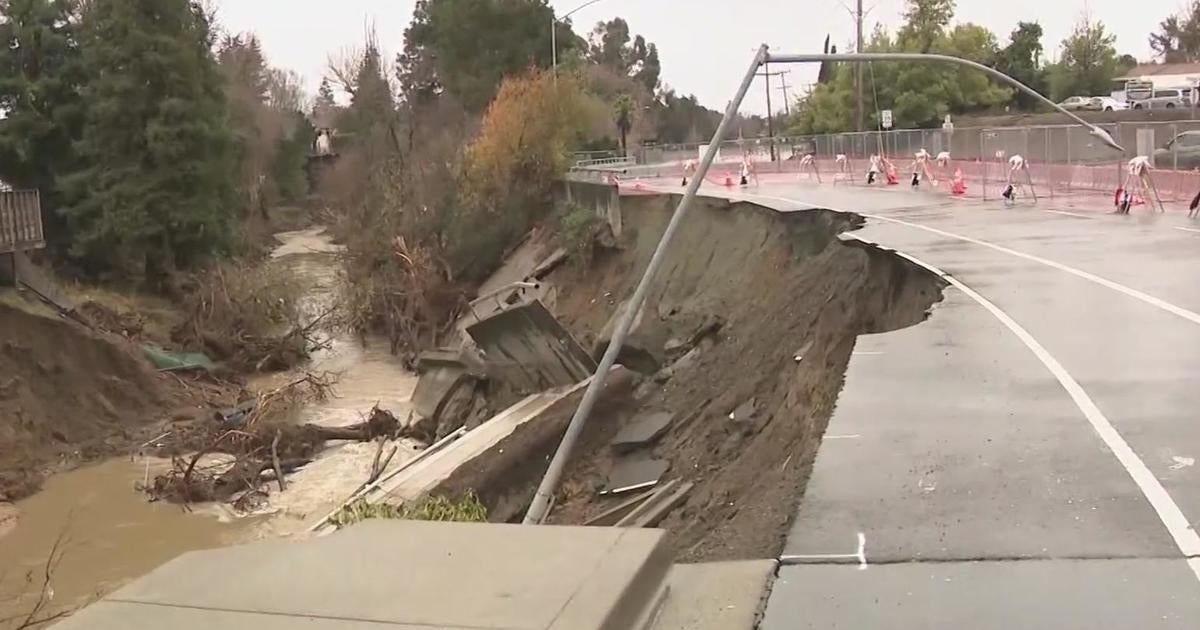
(67, 396)
(751, 403)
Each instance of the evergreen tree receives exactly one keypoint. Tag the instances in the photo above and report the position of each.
(155, 191)
(40, 74)
(372, 107)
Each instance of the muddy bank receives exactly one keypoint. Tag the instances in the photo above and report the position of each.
(68, 396)
(114, 533)
(778, 301)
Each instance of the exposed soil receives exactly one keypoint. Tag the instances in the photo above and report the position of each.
(69, 396)
(791, 299)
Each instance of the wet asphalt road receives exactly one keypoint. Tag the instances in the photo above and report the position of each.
(1027, 457)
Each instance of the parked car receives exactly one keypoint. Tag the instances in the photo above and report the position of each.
(1075, 103)
(1164, 99)
(1181, 152)
(1106, 104)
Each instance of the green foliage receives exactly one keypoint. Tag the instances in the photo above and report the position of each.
(291, 155)
(1178, 38)
(1021, 60)
(467, 47)
(40, 75)
(919, 94)
(577, 229)
(154, 189)
(610, 47)
(623, 109)
(372, 108)
(925, 23)
(684, 119)
(466, 509)
(1087, 64)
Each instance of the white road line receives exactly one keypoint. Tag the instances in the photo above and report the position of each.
(1071, 214)
(842, 437)
(867, 353)
(1187, 229)
(1191, 316)
(1168, 511)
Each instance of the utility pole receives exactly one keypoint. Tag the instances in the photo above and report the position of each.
(787, 108)
(767, 74)
(858, 69)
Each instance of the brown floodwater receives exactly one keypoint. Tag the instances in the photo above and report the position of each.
(113, 535)
(109, 534)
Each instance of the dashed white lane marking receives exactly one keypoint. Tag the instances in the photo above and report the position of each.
(852, 436)
(1191, 316)
(1071, 214)
(1187, 229)
(866, 353)
(860, 555)
(1186, 538)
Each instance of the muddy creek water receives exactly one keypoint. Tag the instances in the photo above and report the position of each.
(111, 534)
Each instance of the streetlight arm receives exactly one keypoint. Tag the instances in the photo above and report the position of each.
(1103, 135)
(578, 8)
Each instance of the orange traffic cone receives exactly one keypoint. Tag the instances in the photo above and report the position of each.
(959, 187)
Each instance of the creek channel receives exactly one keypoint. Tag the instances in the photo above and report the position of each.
(110, 534)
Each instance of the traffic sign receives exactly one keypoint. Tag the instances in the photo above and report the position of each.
(885, 118)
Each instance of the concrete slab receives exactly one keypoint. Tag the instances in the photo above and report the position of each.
(1149, 594)
(642, 430)
(715, 596)
(405, 574)
(528, 348)
(440, 372)
(634, 473)
(419, 479)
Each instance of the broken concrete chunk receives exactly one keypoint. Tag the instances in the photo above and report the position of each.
(643, 430)
(634, 473)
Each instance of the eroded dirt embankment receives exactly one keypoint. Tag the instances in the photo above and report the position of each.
(792, 298)
(66, 395)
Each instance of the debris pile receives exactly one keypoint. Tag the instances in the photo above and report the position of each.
(235, 453)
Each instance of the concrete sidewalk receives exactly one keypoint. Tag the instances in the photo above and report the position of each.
(455, 576)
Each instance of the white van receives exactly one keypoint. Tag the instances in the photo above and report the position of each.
(1162, 99)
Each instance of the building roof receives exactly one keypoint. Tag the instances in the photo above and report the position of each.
(1161, 69)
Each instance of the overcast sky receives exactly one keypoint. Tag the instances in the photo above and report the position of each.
(705, 45)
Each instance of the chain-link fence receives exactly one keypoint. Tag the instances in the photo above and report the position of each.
(1062, 159)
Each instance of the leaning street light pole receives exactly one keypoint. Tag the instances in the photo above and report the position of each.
(860, 58)
(543, 499)
(545, 492)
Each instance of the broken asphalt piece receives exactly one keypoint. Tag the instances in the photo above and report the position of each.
(629, 474)
(643, 430)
